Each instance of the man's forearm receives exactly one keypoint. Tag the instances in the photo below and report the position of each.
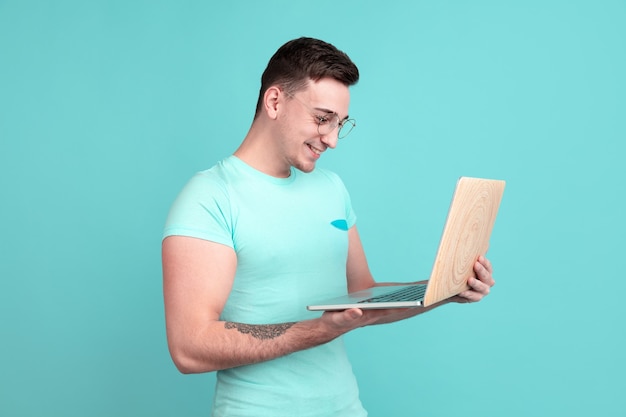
(405, 313)
(260, 331)
(223, 345)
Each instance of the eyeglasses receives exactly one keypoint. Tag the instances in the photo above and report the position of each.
(328, 121)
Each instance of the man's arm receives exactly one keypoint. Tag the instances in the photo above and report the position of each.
(197, 279)
(359, 278)
(358, 273)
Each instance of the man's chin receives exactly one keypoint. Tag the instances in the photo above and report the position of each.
(306, 168)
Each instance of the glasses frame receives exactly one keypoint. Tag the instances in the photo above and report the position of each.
(329, 125)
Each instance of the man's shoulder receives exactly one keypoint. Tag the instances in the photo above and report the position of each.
(219, 174)
(209, 183)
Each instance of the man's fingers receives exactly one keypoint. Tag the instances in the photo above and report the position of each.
(486, 263)
(479, 286)
(484, 271)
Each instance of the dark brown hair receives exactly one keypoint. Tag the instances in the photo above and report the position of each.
(304, 59)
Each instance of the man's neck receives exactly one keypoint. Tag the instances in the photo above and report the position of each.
(257, 150)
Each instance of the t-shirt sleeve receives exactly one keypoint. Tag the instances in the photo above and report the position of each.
(202, 210)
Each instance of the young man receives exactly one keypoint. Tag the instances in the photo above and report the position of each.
(253, 240)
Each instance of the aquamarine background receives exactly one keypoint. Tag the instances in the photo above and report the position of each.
(108, 107)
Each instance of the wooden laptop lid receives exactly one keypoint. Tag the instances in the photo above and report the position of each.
(465, 237)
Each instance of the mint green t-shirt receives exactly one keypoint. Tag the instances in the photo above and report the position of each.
(290, 237)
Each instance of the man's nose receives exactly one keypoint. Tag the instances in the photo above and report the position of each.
(330, 139)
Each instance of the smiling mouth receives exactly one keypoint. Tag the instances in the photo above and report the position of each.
(316, 151)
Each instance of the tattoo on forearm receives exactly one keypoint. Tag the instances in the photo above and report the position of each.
(260, 331)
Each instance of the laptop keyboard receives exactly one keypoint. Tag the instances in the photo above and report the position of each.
(412, 293)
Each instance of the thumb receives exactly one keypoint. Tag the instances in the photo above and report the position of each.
(346, 318)
(353, 314)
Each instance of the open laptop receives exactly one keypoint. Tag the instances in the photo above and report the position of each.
(465, 237)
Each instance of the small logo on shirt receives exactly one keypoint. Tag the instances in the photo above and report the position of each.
(340, 224)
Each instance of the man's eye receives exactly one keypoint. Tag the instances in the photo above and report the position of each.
(322, 120)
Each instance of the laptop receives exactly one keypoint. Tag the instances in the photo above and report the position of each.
(465, 237)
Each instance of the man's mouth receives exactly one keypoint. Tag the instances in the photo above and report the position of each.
(316, 151)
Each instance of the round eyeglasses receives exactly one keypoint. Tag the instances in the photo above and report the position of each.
(328, 120)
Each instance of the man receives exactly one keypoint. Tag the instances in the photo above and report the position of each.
(253, 240)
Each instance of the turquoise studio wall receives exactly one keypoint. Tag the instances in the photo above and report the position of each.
(108, 107)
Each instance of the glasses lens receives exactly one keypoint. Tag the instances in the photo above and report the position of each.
(328, 125)
(346, 128)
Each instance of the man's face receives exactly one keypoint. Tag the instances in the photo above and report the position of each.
(303, 140)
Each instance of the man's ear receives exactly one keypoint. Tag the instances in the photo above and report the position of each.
(271, 101)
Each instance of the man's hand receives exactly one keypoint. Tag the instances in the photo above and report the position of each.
(480, 286)
(350, 319)
(343, 321)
